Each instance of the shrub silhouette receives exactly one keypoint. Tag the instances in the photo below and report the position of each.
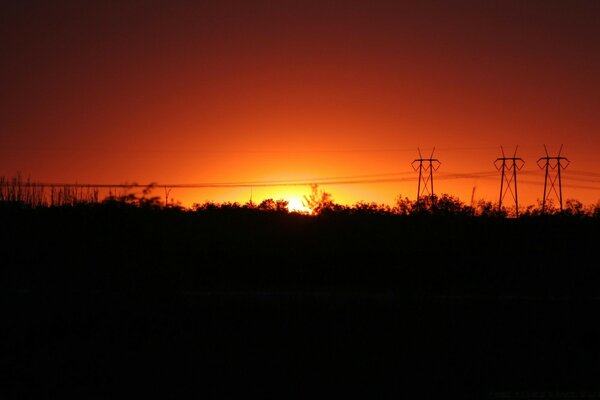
(365, 208)
(318, 201)
(489, 210)
(574, 208)
(279, 205)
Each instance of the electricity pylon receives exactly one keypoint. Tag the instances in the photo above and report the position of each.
(554, 164)
(426, 168)
(509, 167)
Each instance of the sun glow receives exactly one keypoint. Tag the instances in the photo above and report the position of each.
(296, 205)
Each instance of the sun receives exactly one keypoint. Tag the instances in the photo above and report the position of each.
(296, 205)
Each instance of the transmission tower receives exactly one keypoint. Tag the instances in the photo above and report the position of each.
(426, 168)
(509, 167)
(552, 167)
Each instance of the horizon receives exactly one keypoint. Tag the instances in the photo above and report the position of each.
(166, 194)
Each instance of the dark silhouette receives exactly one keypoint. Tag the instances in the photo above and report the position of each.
(426, 168)
(552, 180)
(509, 167)
(318, 201)
(229, 299)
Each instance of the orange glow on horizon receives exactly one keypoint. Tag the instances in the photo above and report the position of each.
(297, 205)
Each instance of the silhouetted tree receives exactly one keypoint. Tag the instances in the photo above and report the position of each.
(279, 205)
(595, 210)
(318, 200)
(267, 205)
(489, 209)
(450, 205)
(403, 206)
(536, 210)
(574, 208)
(363, 207)
(206, 206)
(250, 205)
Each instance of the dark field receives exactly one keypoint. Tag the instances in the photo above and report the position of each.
(226, 304)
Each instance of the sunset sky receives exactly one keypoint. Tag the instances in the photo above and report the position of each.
(251, 91)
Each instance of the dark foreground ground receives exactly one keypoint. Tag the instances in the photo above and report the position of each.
(225, 305)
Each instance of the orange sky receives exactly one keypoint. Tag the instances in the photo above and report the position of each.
(177, 92)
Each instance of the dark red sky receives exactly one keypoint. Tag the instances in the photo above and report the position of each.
(182, 92)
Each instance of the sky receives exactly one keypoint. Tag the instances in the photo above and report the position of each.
(237, 91)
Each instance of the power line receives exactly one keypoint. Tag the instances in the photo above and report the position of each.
(308, 182)
(426, 168)
(251, 151)
(583, 173)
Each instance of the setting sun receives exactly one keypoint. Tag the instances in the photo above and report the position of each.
(296, 205)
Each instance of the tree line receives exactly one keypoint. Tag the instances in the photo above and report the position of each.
(17, 192)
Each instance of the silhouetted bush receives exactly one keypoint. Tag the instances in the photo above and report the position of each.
(364, 208)
(594, 210)
(574, 208)
(488, 209)
(318, 201)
